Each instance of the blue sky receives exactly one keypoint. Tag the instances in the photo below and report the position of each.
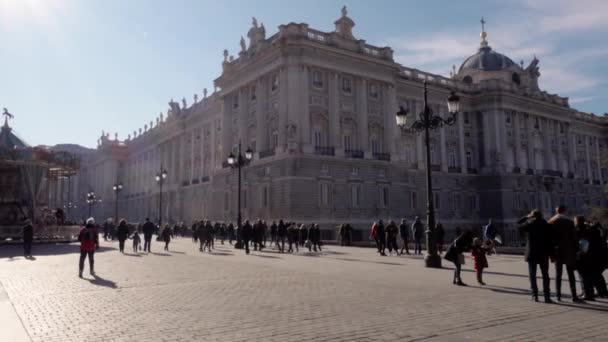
(71, 68)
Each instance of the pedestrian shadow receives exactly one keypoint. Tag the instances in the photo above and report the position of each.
(99, 281)
(159, 254)
(176, 252)
(31, 258)
(14, 251)
(334, 252)
(266, 256)
(371, 262)
(585, 306)
(133, 255)
(219, 253)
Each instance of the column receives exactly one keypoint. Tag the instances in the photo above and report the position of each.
(226, 126)
(390, 125)
(304, 107)
(517, 148)
(462, 152)
(530, 135)
(588, 158)
(362, 113)
(499, 133)
(443, 143)
(546, 130)
(599, 160)
(202, 150)
(335, 136)
(420, 146)
(261, 130)
(487, 142)
(282, 108)
(570, 146)
(574, 155)
(559, 153)
(243, 117)
(192, 140)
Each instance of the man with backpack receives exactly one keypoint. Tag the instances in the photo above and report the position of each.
(89, 243)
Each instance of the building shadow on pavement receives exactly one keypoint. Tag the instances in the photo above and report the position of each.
(47, 249)
(99, 281)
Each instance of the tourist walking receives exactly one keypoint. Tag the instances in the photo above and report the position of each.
(246, 235)
(166, 236)
(292, 237)
(404, 231)
(418, 233)
(281, 236)
(342, 233)
(480, 261)
(89, 243)
(258, 235)
(538, 248)
(136, 241)
(591, 262)
(565, 251)
(391, 237)
(28, 238)
(148, 230)
(461, 244)
(600, 281)
(381, 238)
(314, 235)
(273, 233)
(303, 235)
(230, 231)
(122, 233)
(439, 236)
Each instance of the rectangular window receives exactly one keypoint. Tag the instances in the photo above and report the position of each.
(317, 138)
(385, 197)
(452, 159)
(275, 139)
(253, 93)
(317, 79)
(275, 82)
(375, 147)
(324, 194)
(469, 157)
(235, 103)
(265, 197)
(413, 200)
(373, 90)
(347, 143)
(437, 200)
(466, 118)
(355, 195)
(347, 87)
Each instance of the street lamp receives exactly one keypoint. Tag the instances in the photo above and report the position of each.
(427, 121)
(117, 188)
(90, 200)
(160, 179)
(238, 162)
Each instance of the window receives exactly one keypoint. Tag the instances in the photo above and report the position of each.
(466, 118)
(373, 90)
(253, 91)
(413, 200)
(384, 197)
(317, 79)
(561, 128)
(516, 79)
(536, 123)
(318, 138)
(235, 101)
(469, 157)
(275, 82)
(355, 195)
(467, 79)
(347, 87)
(451, 158)
(265, 197)
(226, 202)
(433, 156)
(375, 146)
(324, 194)
(436, 200)
(275, 139)
(508, 118)
(473, 202)
(347, 143)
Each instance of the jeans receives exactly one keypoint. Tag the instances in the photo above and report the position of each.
(27, 248)
(381, 245)
(167, 245)
(391, 243)
(417, 246)
(407, 250)
(121, 245)
(544, 270)
(281, 243)
(457, 268)
(245, 245)
(559, 269)
(83, 255)
(147, 243)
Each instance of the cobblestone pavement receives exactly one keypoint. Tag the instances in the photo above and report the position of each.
(341, 294)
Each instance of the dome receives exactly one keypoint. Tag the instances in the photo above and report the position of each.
(487, 60)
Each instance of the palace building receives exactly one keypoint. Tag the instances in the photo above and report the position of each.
(318, 110)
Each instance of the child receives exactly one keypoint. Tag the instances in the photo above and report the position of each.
(478, 253)
(136, 241)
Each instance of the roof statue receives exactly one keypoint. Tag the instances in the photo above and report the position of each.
(7, 116)
(254, 22)
(115, 136)
(161, 116)
(344, 25)
(184, 105)
(243, 44)
(195, 98)
(225, 56)
(174, 107)
(205, 93)
(483, 33)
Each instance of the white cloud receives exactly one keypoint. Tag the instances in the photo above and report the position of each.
(582, 99)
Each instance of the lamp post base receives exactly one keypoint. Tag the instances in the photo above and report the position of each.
(432, 261)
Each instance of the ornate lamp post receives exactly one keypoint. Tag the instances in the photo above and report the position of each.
(117, 188)
(427, 121)
(238, 162)
(90, 200)
(160, 179)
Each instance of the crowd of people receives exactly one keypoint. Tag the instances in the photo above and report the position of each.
(573, 244)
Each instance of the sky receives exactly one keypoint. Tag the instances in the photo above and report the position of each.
(72, 68)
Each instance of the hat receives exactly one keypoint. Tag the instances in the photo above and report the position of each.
(91, 221)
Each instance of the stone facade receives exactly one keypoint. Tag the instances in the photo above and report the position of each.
(318, 109)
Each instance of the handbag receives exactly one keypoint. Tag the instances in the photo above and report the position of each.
(461, 259)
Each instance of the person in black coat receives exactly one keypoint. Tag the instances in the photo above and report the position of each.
(258, 235)
(439, 236)
(538, 249)
(600, 281)
(565, 244)
(391, 237)
(314, 235)
(246, 235)
(418, 232)
(148, 230)
(461, 244)
(122, 233)
(591, 263)
(404, 231)
(28, 238)
(381, 238)
(281, 236)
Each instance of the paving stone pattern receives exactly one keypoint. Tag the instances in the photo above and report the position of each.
(341, 294)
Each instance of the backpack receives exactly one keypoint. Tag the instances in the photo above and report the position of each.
(88, 234)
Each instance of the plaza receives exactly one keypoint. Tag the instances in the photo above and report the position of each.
(341, 294)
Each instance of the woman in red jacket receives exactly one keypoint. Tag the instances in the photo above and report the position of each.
(89, 242)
